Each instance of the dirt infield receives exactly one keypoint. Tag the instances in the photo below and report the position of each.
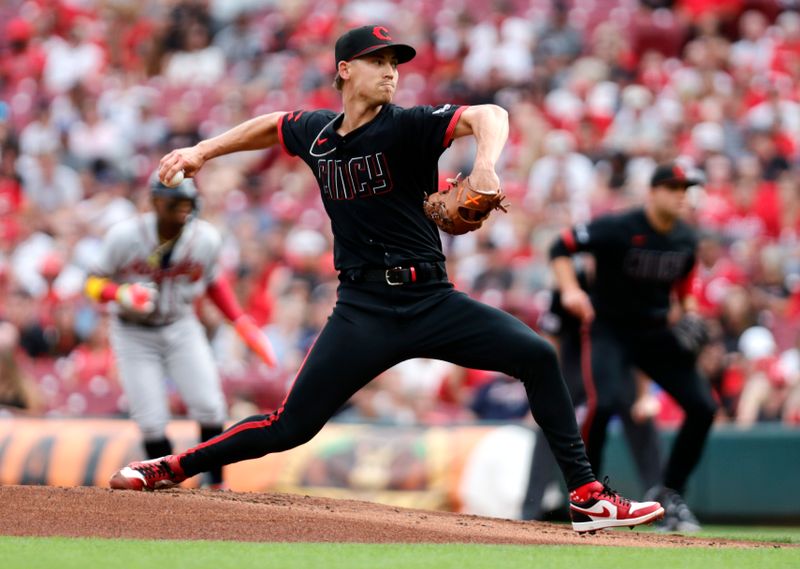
(202, 514)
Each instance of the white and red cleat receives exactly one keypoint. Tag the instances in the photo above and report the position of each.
(596, 506)
(156, 474)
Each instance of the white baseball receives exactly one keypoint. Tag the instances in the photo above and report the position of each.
(176, 179)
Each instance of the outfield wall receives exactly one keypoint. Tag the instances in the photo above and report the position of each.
(482, 469)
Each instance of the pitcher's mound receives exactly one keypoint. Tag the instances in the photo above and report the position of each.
(204, 514)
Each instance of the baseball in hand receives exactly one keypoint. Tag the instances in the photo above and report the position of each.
(176, 179)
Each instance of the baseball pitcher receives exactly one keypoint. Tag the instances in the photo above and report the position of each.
(376, 167)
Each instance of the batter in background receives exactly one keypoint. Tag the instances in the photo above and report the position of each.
(153, 267)
(376, 165)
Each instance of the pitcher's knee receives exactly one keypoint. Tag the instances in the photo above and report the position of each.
(535, 360)
(533, 347)
(544, 353)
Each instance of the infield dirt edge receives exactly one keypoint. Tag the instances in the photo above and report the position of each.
(185, 514)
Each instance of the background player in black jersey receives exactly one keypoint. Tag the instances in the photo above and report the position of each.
(375, 163)
(643, 257)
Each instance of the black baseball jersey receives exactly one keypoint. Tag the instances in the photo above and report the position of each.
(374, 179)
(637, 267)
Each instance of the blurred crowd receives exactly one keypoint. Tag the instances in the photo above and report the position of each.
(93, 93)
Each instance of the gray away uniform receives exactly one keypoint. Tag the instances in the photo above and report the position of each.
(170, 342)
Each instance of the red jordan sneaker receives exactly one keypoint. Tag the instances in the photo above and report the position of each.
(156, 474)
(599, 507)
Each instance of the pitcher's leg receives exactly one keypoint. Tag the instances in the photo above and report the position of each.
(543, 469)
(474, 335)
(347, 355)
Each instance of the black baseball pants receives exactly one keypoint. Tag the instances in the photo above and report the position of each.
(375, 326)
(615, 349)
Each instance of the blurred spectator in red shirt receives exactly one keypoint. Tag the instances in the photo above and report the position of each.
(697, 10)
(661, 31)
(49, 267)
(786, 54)
(20, 58)
(716, 274)
(789, 205)
(12, 199)
(91, 369)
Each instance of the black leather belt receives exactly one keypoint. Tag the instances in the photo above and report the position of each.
(397, 276)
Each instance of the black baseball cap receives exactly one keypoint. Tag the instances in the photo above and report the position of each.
(366, 39)
(671, 174)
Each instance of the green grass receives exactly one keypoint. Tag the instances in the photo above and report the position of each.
(774, 534)
(66, 553)
(778, 534)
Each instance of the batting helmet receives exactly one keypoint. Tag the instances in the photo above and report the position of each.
(185, 190)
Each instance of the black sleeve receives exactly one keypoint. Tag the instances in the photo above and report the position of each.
(600, 234)
(431, 129)
(298, 130)
(689, 241)
(691, 264)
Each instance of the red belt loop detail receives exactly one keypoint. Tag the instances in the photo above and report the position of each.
(413, 274)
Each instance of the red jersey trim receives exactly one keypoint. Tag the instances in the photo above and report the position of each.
(451, 128)
(569, 240)
(280, 135)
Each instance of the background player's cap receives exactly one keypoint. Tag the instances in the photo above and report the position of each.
(366, 39)
(673, 174)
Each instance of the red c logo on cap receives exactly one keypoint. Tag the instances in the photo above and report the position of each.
(381, 33)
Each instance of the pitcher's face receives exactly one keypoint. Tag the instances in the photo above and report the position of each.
(374, 76)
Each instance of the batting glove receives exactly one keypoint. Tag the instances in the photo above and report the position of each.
(255, 339)
(138, 297)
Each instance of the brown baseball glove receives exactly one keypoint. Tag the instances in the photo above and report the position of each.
(462, 208)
